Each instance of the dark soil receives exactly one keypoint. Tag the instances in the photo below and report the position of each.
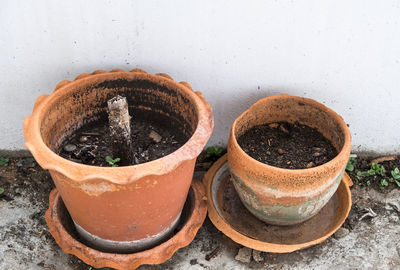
(16, 179)
(29, 237)
(363, 164)
(290, 146)
(152, 136)
(206, 160)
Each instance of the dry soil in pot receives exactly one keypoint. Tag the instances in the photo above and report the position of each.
(152, 135)
(285, 145)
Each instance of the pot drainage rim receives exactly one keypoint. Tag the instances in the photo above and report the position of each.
(230, 216)
(63, 231)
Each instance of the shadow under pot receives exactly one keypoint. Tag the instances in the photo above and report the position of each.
(287, 195)
(126, 208)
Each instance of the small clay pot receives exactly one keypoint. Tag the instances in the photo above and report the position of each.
(285, 196)
(228, 214)
(126, 208)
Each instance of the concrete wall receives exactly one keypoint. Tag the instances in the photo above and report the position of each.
(345, 54)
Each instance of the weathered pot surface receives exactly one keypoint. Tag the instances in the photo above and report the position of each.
(285, 196)
(227, 212)
(124, 208)
(62, 229)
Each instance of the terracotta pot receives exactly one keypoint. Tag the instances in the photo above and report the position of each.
(127, 208)
(228, 214)
(61, 228)
(284, 196)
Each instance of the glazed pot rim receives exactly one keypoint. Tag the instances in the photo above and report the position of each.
(346, 148)
(122, 175)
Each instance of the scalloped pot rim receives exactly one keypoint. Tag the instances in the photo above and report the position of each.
(345, 149)
(125, 174)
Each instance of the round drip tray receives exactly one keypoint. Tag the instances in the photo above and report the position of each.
(63, 230)
(230, 216)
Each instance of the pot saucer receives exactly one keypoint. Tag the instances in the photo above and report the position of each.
(230, 216)
(62, 229)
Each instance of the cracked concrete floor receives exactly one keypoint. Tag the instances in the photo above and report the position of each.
(372, 243)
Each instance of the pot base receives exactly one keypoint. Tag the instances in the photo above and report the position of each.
(62, 228)
(107, 245)
(230, 216)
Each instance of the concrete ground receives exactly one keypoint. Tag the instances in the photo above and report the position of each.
(370, 243)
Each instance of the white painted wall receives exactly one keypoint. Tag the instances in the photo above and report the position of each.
(343, 53)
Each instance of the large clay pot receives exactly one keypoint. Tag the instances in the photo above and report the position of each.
(285, 196)
(127, 208)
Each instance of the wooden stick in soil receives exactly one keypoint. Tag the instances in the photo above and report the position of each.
(120, 129)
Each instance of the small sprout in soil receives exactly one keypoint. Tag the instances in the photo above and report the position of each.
(112, 161)
(384, 183)
(350, 164)
(395, 176)
(1, 190)
(376, 169)
(214, 151)
(361, 174)
(4, 161)
(396, 173)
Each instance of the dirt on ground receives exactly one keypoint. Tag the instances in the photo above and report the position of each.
(285, 145)
(378, 173)
(369, 239)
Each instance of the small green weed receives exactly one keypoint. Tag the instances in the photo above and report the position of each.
(350, 164)
(4, 161)
(214, 151)
(396, 173)
(361, 174)
(384, 183)
(112, 161)
(395, 176)
(1, 190)
(376, 169)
